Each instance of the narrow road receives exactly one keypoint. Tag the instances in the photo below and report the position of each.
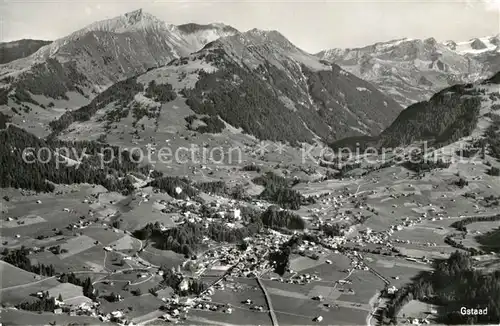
(269, 303)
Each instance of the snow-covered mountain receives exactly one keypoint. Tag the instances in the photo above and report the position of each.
(411, 70)
(10, 51)
(257, 82)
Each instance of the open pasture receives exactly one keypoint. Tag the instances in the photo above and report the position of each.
(66, 290)
(364, 284)
(144, 284)
(18, 294)
(330, 272)
(88, 260)
(161, 257)
(76, 245)
(142, 214)
(300, 263)
(287, 293)
(48, 258)
(396, 270)
(238, 291)
(415, 309)
(241, 315)
(20, 221)
(125, 244)
(104, 235)
(482, 227)
(422, 235)
(140, 305)
(50, 210)
(293, 311)
(331, 316)
(329, 293)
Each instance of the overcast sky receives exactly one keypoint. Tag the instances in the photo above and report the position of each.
(311, 25)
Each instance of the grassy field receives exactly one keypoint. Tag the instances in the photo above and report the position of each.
(330, 272)
(51, 209)
(392, 267)
(415, 309)
(293, 311)
(143, 213)
(238, 291)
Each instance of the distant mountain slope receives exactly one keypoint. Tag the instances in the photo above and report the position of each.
(463, 110)
(411, 70)
(257, 81)
(10, 51)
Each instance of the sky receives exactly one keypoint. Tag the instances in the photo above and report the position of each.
(311, 25)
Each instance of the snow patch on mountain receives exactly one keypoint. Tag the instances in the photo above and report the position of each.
(478, 45)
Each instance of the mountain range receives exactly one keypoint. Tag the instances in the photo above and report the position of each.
(254, 80)
(412, 70)
(138, 74)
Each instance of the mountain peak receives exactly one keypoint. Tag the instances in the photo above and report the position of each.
(190, 28)
(135, 16)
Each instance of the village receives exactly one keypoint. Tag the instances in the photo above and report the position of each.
(347, 241)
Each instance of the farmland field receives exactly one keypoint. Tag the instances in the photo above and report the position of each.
(140, 305)
(20, 317)
(490, 241)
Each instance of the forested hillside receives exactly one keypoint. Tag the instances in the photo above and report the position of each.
(17, 172)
